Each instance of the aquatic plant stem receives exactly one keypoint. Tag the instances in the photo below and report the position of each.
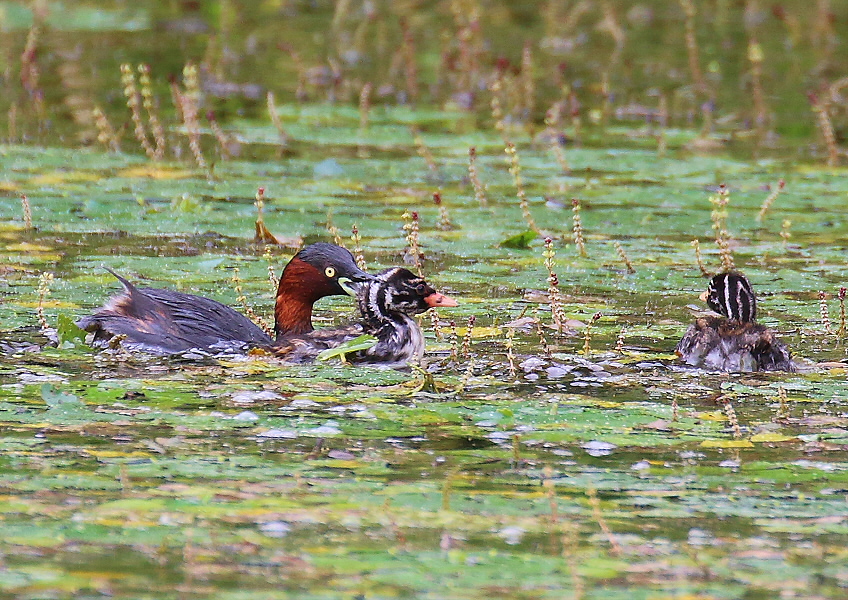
(775, 192)
(282, 135)
(543, 341)
(333, 230)
(587, 334)
(554, 297)
(820, 110)
(364, 116)
(553, 123)
(783, 404)
(190, 108)
(595, 502)
(44, 281)
(510, 356)
(466, 376)
(755, 56)
(444, 219)
(719, 219)
(528, 86)
(27, 212)
(515, 171)
(624, 258)
(149, 104)
(549, 487)
(453, 341)
(824, 313)
(465, 351)
(105, 132)
(133, 103)
(731, 417)
(410, 227)
(411, 67)
(474, 176)
(692, 46)
(784, 231)
(424, 151)
(272, 275)
(435, 323)
(570, 540)
(577, 228)
(696, 244)
(220, 136)
(619, 342)
(356, 239)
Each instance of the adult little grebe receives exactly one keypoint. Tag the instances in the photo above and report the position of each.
(167, 322)
(387, 305)
(733, 342)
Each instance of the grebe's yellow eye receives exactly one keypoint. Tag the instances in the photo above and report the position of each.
(330, 272)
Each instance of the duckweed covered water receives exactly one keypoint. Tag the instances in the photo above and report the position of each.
(617, 474)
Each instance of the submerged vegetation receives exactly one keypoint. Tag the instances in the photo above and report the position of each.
(571, 172)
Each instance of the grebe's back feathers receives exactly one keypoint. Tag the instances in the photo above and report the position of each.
(167, 322)
(720, 344)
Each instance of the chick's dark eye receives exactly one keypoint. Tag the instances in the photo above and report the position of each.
(421, 288)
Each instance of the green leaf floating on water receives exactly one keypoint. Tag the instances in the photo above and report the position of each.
(68, 330)
(54, 397)
(363, 342)
(520, 241)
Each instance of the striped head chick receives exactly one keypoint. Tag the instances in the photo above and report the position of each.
(387, 305)
(731, 295)
(732, 342)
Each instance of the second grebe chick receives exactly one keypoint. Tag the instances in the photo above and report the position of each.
(734, 341)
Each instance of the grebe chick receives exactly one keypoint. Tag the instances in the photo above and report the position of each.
(734, 341)
(386, 305)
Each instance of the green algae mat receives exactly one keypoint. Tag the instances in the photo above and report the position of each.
(520, 460)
